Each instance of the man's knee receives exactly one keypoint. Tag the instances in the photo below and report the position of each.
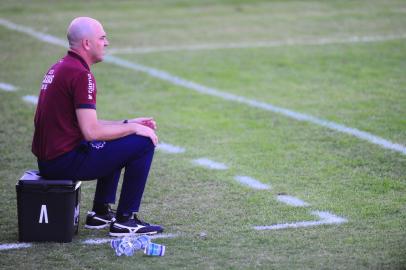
(142, 142)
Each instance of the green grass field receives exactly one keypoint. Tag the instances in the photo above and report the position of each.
(357, 84)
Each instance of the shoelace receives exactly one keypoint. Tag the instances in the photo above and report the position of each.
(138, 221)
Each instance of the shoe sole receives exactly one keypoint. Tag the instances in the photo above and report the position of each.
(97, 227)
(130, 234)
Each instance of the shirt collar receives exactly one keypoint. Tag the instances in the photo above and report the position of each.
(77, 56)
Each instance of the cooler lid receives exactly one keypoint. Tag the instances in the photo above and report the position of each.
(32, 177)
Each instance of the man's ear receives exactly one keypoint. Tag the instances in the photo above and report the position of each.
(86, 44)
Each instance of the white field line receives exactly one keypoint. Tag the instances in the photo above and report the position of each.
(223, 95)
(31, 99)
(258, 104)
(171, 149)
(96, 241)
(99, 241)
(14, 246)
(251, 182)
(7, 87)
(326, 218)
(292, 201)
(258, 44)
(209, 164)
(29, 31)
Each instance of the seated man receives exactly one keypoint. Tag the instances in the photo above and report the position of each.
(70, 142)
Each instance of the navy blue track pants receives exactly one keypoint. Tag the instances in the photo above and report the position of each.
(104, 160)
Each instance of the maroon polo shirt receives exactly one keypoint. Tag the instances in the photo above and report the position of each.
(67, 86)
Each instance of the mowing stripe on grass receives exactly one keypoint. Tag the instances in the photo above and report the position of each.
(210, 164)
(14, 246)
(99, 241)
(251, 182)
(41, 36)
(326, 218)
(259, 44)
(7, 87)
(258, 104)
(223, 95)
(292, 201)
(31, 99)
(171, 149)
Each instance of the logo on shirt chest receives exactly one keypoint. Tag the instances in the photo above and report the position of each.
(90, 86)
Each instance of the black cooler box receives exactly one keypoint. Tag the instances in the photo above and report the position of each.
(48, 210)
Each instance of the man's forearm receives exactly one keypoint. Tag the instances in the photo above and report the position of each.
(111, 122)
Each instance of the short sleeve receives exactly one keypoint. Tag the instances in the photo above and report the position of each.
(84, 89)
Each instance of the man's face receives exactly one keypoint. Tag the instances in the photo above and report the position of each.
(97, 44)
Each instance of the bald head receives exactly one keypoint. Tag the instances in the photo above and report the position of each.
(87, 38)
(82, 28)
